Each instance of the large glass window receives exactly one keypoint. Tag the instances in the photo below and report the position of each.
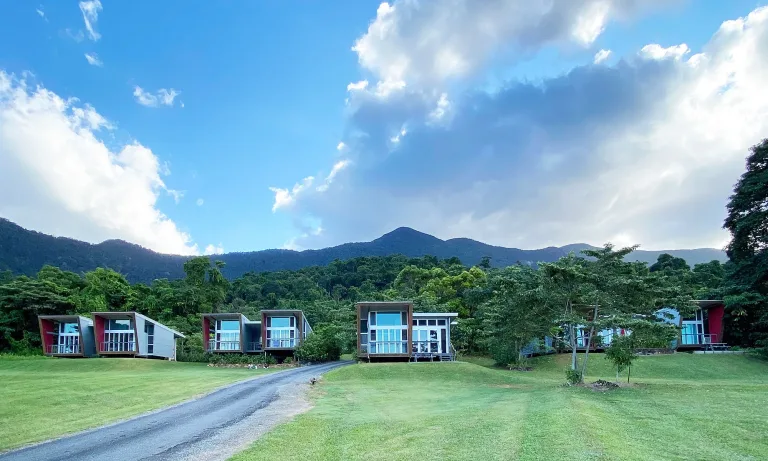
(118, 336)
(388, 333)
(388, 319)
(119, 325)
(68, 328)
(281, 322)
(227, 335)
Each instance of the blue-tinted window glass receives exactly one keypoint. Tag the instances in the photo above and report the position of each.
(69, 328)
(281, 322)
(229, 325)
(388, 319)
(119, 324)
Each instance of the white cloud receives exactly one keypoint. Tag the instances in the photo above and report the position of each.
(358, 86)
(337, 167)
(57, 177)
(341, 146)
(164, 97)
(442, 107)
(601, 56)
(655, 51)
(200, 202)
(645, 150)
(176, 194)
(417, 42)
(285, 198)
(214, 249)
(90, 10)
(40, 12)
(93, 59)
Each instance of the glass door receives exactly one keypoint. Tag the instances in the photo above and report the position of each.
(69, 339)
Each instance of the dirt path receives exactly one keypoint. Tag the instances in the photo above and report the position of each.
(212, 427)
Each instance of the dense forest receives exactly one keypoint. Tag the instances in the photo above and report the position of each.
(25, 252)
(500, 309)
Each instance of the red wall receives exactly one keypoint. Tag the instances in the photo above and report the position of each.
(715, 322)
(206, 332)
(98, 331)
(46, 328)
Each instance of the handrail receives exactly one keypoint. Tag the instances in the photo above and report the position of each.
(223, 345)
(118, 346)
(281, 342)
(698, 338)
(64, 349)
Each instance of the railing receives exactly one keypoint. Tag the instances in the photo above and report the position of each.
(63, 349)
(118, 346)
(287, 342)
(254, 346)
(426, 347)
(223, 346)
(388, 347)
(697, 338)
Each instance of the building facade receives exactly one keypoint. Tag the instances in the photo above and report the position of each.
(67, 335)
(278, 331)
(392, 331)
(134, 335)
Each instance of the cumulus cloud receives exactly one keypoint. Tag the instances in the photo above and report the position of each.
(163, 97)
(90, 10)
(214, 249)
(58, 177)
(200, 202)
(643, 151)
(93, 59)
(417, 42)
(601, 56)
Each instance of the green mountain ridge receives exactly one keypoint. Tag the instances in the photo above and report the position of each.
(24, 251)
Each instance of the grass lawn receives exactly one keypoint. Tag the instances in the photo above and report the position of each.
(41, 398)
(686, 407)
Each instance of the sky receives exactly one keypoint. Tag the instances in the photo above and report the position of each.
(210, 127)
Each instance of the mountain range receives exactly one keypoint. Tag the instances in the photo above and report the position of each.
(24, 251)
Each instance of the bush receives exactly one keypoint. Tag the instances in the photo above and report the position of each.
(193, 356)
(324, 344)
(572, 377)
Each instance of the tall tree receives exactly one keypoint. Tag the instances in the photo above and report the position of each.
(747, 221)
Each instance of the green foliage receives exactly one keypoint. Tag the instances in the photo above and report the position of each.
(324, 344)
(572, 376)
(621, 353)
(747, 277)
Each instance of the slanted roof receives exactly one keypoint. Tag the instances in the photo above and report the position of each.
(133, 315)
(65, 318)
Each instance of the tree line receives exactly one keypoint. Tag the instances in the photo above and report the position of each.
(500, 310)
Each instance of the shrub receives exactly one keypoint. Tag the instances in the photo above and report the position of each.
(324, 344)
(572, 377)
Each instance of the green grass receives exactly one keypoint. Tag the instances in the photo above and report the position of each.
(41, 398)
(684, 407)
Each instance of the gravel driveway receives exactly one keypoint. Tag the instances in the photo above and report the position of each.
(210, 428)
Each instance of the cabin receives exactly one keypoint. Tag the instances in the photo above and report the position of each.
(133, 335)
(393, 331)
(702, 330)
(278, 331)
(67, 335)
(231, 332)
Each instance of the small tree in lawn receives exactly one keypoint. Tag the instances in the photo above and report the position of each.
(621, 352)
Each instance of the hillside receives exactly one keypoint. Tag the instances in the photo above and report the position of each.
(24, 252)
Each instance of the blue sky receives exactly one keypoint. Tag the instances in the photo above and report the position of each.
(263, 101)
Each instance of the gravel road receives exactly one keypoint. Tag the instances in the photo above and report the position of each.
(212, 427)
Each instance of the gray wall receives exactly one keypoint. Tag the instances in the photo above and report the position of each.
(89, 339)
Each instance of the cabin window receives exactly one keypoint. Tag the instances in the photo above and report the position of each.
(389, 319)
(432, 322)
(363, 326)
(441, 322)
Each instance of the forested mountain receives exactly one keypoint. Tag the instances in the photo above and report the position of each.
(25, 252)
